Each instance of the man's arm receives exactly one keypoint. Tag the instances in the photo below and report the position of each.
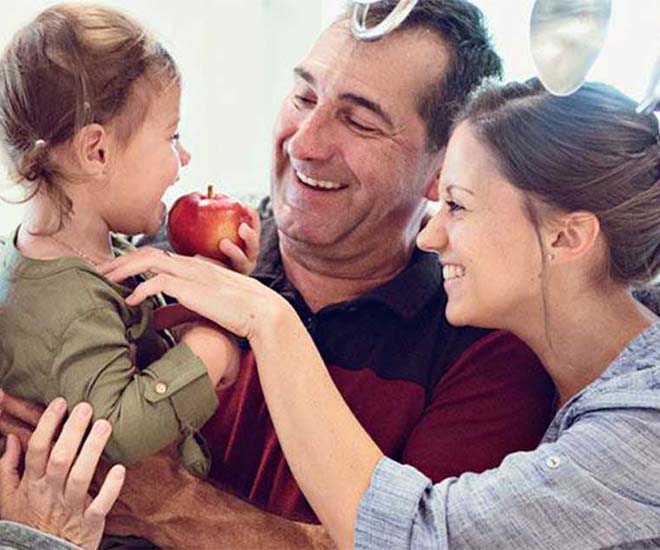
(162, 502)
(494, 400)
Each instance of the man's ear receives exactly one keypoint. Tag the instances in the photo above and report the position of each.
(433, 185)
(92, 149)
(572, 236)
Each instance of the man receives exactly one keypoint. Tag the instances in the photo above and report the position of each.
(358, 148)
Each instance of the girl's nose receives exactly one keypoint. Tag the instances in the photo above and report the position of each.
(184, 155)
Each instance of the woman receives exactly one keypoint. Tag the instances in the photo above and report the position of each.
(551, 211)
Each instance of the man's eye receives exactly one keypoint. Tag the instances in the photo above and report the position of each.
(302, 101)
(360, 127)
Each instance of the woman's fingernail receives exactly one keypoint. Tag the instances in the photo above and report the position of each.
(59, 404)
(82, 410)
(102, 427)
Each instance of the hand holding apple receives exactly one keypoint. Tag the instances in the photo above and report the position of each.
(198, 223)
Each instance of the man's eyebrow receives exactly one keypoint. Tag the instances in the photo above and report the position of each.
(351, 98)
(305, 75)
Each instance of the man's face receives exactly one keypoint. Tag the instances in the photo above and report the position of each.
(351, 165)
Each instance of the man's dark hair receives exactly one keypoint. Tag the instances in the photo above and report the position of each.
(472, 58)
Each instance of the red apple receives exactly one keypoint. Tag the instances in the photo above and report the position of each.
(197, 223)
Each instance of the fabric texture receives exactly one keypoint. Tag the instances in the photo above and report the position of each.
(444, 399)
(66, 331)
(14, 536)
(594, 482)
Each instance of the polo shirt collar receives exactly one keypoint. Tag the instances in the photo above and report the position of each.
(406, 295)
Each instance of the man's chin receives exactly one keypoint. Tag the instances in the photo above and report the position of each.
(308, 228)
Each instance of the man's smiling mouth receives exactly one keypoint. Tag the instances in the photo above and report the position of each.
(319, 184)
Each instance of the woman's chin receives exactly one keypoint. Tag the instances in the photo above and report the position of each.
(456, 316)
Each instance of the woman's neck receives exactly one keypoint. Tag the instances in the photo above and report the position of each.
(581, 335)
(83, 234)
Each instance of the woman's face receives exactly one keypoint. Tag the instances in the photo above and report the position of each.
(488, 246)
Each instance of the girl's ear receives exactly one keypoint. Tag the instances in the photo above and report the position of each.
(91, 147)
(572, 236)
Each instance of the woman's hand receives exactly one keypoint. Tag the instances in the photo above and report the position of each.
(52, 494)
(237, 303)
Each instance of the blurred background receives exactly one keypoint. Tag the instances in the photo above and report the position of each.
(236, 58)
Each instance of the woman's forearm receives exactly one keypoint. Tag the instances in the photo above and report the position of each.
(330, 454)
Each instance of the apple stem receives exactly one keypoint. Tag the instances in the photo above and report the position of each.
(209, 191)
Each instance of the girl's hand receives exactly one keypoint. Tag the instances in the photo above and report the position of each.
(237, 303)
(244, 262)
(52, 495)
(216, 348)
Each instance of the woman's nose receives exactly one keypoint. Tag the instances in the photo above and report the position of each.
(434, 237)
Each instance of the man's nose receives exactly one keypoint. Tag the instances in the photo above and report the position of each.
(315, 137)
(434, 237)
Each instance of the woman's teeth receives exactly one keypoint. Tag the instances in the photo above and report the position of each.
(452, 271)
(318, 184)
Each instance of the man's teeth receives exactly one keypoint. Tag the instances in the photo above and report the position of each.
(451, 271)
(318, 183)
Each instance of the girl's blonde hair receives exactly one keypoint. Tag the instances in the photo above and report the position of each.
(73, 65)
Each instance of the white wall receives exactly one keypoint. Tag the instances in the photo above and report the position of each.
(236, 58)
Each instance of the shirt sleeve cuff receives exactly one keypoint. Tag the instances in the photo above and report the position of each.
(16, 535)
(388, 508)
(182, 377)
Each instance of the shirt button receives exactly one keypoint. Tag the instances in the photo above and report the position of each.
(553, 462)
(161, 388)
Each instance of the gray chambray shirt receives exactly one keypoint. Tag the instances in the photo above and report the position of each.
(14, 536)
(593, 482)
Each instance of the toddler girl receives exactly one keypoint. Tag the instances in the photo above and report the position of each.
(89, 111)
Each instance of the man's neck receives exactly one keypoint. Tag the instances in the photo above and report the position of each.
(322, 279)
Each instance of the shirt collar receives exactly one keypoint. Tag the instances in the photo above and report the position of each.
(406, 294)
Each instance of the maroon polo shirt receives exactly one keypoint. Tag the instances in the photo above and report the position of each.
(444, 399)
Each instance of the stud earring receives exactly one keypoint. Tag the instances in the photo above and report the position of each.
(551, 257)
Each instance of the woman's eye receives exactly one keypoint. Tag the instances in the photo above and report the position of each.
(175, 137)
(453, 206)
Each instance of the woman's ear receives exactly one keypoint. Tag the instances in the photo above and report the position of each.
(433, 186)
(91, 149)
(571, 236)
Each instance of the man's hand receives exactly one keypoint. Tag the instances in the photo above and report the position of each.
(18, 417)
(165, 504)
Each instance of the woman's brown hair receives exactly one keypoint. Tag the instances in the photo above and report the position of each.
(73, 65)
(590, 151)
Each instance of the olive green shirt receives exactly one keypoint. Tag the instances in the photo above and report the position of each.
(66, 331)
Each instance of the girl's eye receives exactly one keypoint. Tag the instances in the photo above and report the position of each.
(175, 137)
